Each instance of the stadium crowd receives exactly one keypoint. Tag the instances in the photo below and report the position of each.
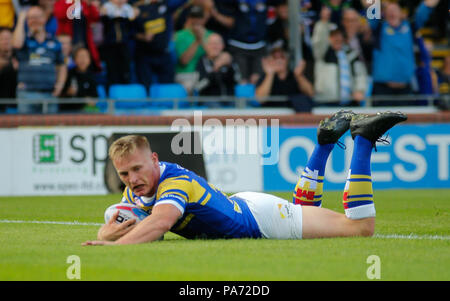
(58, 49)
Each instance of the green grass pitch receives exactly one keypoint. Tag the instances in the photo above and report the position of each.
(412, 241)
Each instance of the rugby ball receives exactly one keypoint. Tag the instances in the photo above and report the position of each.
(126, 212)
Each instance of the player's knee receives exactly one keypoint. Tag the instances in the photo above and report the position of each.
(367, 227)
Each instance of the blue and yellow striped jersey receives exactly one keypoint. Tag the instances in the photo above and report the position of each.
(207, 211)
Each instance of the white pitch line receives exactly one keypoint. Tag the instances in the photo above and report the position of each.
(386, 236)
(412, 236)
(74, 223)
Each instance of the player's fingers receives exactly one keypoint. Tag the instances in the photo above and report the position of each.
(94, 243)
(127, 229)
(128, 223)
(113, 217)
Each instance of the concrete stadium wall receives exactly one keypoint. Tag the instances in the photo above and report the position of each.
(9, 121)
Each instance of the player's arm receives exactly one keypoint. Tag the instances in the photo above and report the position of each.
(161, 220)
(163, 217)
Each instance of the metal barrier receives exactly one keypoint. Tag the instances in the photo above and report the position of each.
(203, 102)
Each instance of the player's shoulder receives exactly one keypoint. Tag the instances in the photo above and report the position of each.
(174, 177)
(170, 170)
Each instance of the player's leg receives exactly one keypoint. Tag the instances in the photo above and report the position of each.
(309, 188)
(359, 218)
(324, 223)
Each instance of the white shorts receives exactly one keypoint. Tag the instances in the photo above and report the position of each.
(276, 217)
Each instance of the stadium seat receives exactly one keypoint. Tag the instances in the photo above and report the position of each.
(246, 91)
(129, 91)
(168, 91)
(11, 111)
(101, 91)
(101, 104)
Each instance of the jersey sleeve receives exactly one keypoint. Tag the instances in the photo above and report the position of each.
(176, 192)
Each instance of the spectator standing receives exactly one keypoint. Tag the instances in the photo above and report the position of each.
(41, 73)
(279, 80)
(154, 28)
(357, 35)
(221, 19)
(8, 68)
(278, 31)
(80, 29)
(247, 37)
(393, 64)
(80, 82)
(51, 25)
(189, 46)
(66, 47)
(336, 8)
(340, 75)
(117, 16)
(425, 74)
(218, 74)
(218, 15)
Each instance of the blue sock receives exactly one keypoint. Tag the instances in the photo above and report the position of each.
(361, 156)
(358, 192)
(309, 188)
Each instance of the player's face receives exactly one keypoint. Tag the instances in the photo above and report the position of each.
(139, 171)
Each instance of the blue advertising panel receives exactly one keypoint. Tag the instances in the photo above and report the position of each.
(417, 157)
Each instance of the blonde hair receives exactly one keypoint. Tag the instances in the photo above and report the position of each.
(127, 145)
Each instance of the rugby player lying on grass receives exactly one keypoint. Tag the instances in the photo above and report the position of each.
(182, 202)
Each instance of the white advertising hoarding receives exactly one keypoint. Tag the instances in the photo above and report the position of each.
(71, 160)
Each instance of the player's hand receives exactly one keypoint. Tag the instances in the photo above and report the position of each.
(112, 231)
(98, 243)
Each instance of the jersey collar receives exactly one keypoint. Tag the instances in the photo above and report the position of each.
(147, 200)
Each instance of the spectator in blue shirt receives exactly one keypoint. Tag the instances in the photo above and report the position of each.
(117, 16)
(247, 37)
(154, 28)
(393, 57)
(52, 24)
(425, 75)
(42, 72)
(66, 47)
